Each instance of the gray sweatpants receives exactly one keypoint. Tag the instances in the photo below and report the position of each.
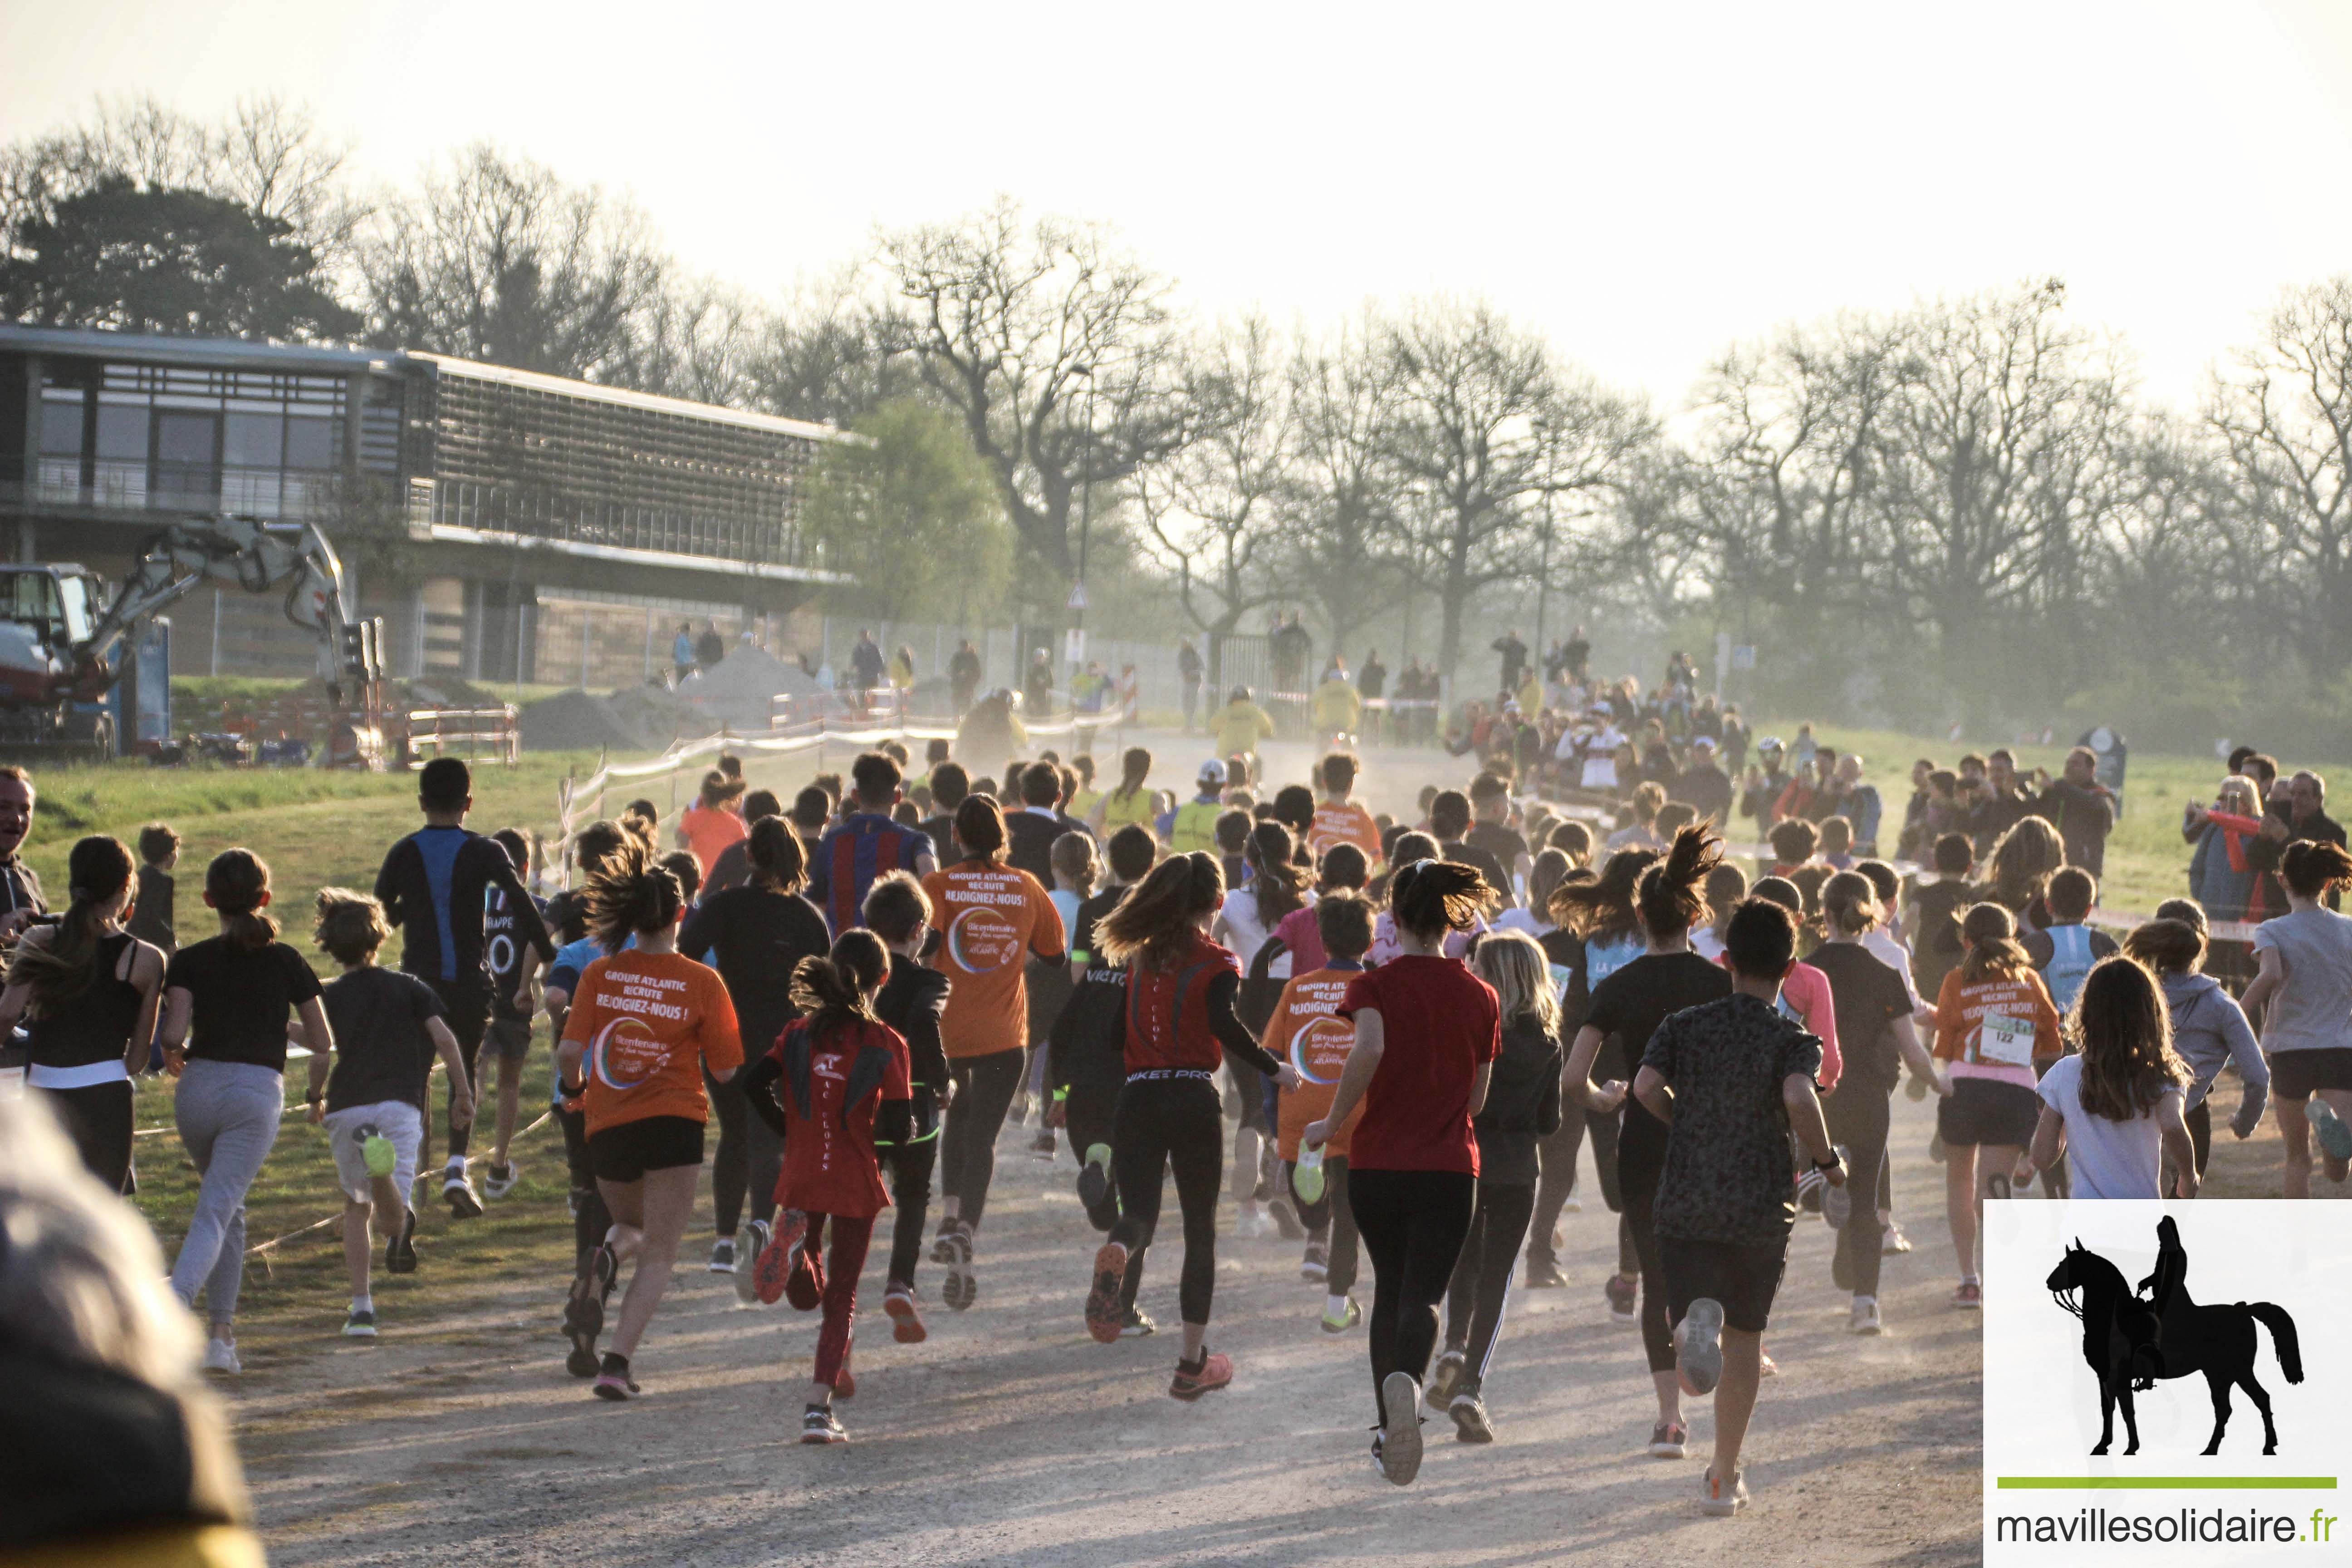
(227, 1114)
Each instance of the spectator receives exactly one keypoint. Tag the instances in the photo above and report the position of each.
(2084, 809)
(1703, 787)
(865, 660)
(681, 652)
(709, 648)
(2222, 874)
(1514, 660)
(1859, 803)
(151, 912)
(963, 675)
(2302, 816)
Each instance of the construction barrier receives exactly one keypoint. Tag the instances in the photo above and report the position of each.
(470, 732)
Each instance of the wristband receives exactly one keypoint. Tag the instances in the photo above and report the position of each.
(1060, 1095)
(1831, 1163)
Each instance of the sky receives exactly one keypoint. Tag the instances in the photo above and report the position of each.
(1646, 184)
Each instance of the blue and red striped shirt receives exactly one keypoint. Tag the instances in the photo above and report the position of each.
(852, 856)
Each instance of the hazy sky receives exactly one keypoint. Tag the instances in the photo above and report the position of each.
(1647, 182)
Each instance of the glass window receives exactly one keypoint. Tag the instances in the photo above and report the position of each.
(311, 443)
(122, 429)
(185, 437)
(60, 425)
(78, 615)
(254, 438)
(29, 595)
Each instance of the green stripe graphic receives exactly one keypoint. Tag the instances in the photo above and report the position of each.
(2166, 1483)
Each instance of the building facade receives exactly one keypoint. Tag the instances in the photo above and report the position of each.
(507, 526)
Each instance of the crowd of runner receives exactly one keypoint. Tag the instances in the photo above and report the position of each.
(1388, 1039)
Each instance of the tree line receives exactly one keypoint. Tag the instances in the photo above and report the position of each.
(1960, 510)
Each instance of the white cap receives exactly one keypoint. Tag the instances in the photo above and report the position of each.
(1212, 772)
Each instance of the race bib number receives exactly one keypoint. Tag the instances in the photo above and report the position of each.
(2003, 1041)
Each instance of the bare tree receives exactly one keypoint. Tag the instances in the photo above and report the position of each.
(698, 341)
(826, 356)
(1344, 549)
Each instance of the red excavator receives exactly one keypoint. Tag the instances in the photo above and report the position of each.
(62, 636)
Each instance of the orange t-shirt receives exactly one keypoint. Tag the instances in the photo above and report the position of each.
(991, 918)
(1961, 1036)
(1346, 822)
(650, 1022)
(1307, 1032)
(708, 831)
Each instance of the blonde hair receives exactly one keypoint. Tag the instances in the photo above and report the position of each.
(2237, 794)
(1514, 964)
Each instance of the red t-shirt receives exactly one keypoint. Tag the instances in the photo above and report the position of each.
(1438, 1023)
(829, 1167)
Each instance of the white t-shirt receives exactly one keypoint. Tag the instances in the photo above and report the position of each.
(1246, 932)
(2109, 1159)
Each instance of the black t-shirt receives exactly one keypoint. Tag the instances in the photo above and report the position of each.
(502, 951)
(382, 1049)
(943, 831)
(243, 997)
(1867, 997)
(759, 936)
(1497, 875)
(1565, 949)
(1630, 1004)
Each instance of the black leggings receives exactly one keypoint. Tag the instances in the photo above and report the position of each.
(1859, 1118)
(1334, 1210)
(910, 1165)
(984, 1086)
(1482, 1275)
(1171, 1123)
(1557, 1154)
(749, 1159)
(1413, 1223)
(1637, 1177)
(99, 1116)
(1091, 1113)
(589, 1218)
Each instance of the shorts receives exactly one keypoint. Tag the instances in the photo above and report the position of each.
(2295, 1074)
(625, 1152)
(1743, 1277)
(510, 1038)
(396, 1121)
(1985, 1110)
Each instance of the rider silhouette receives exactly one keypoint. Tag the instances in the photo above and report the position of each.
(2171, 1271)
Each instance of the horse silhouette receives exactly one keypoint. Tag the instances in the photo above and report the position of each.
(2130, 1342)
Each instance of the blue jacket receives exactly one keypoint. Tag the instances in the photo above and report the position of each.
(2224, 893)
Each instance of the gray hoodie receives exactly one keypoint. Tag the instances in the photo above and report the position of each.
(2208, 1028)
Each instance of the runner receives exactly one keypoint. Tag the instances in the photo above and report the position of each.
(1731, 1080)
(1493, 834)
(2208, 1028)
(1427, 1031)
(1240, 725)
(1557, 1154)
(1179, 1010)
(2303, 992)
(867, 845)
(226, 1001)
(1873, 1008)
(1127, 804)
(1339, 817)
(834, 1087)
(949, 786)
(509, 1032)
(2111, 1108)
(1936, 908)
(89, 992)
(1628, 1004)
(1193, 830)
(388, 1026)
(644, 1025)
(1523, 1105)
(1344, 869)
(1993, 1024)
(756, 935)
(433, 887)
(714, 821)
(1275, 888)
(992, 918)
(1306, 1028)
(734, 867)
(1449, 824)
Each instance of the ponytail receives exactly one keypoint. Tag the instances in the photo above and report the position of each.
(1134, 767)
(1430, 897)
(1603, 906)
(1990, 933)
(238, 883)
(1152, 923)
(632, 892)
(1669, 895)
(2311, 867)
(64, 967)
(1280, 881)
(1850, 904)
(832, 990)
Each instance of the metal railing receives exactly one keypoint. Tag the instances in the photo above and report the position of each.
(470, 732)
(123, 484)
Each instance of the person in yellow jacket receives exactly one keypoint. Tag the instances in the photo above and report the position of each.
(1194, 827)
(1338, 707)
(1241, 724)
(1531, 694)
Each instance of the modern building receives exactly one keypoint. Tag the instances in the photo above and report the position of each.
(507, 526)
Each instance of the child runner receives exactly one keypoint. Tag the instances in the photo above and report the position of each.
(1628, 1007)
(1192, 828)
(225, 1004)
(645, 1024)
(867, 845)
(2112, 1109)
(2208, 1028)
(2303, 991)
(1556, 1156)
(1306, 1030)
(90, 991)
(1874, 1011)
(1427, 1031)
(835, 1084)
(1993, 1024)
(1127, 804)
(1340, 818)
(1180, 989)
(152, 911)
(1522, 1106)
(910, 1001)
(1345, 869)
(1731, 1080)
(388, 1026)
(509, 1034)
(992, 918)
(756, 935)
(714, 821)
(1276, 886)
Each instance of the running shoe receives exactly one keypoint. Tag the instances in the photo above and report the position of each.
(2334, 1135)
(1470, 1422)
(1315, 1267)
(1669, 1440)
(359, 1325)
(458, 1189)
(1285, 1218)
(1717, 1501)
(722, 1255)
(1094, 1179)
(1572, 1205)
(1443, 1377)
(905, 1321)
(804, 1280)
(1970, 1294)
(1620, 1291)
(400, 1247)
(1137, 1324)
(1837, 1203)
(1698, 1346)
(1810, 1182)
(1765, 1365)
(819, 1425)
(1215, 1371)
(1543, 1274)
(1043, 1144)
(499, 1180)
(753, 1241)
(584, 1310)
(1863, 1318)
(943, 1244)
(612, 1379)
(1103, 1318)
(1893, 1240)
(774, 1264)
(960, 1287)
(1398, 1447)
(1348, 1318)
(220, 1355)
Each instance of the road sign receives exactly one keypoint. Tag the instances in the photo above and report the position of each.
(1744, 656)
(1078, 594)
